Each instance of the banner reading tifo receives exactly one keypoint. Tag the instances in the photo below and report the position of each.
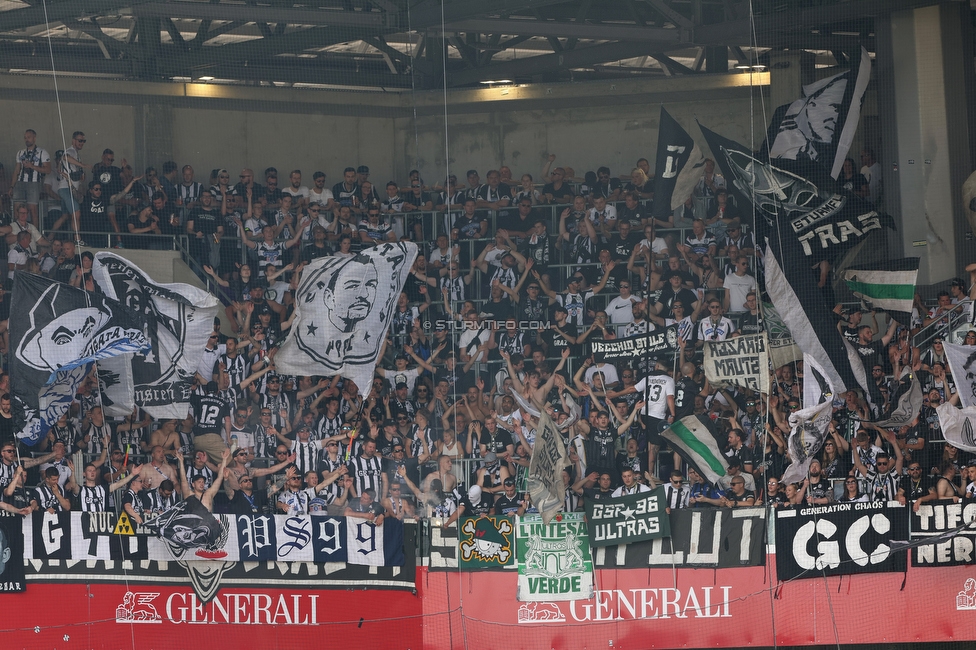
(742, 361)
(554, 559)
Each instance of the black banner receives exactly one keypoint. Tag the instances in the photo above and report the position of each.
(700, 537)
(941, 534)
(840, 539)
(11, 553)
(633, 517)
(663, 341)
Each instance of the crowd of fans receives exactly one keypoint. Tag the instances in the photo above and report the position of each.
(514, 280)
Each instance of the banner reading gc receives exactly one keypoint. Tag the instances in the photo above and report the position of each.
(554, 559)
(840, 539)
(627, 519)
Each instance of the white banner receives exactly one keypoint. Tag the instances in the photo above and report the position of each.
(343, 310)
(962, 363)
(740, 360)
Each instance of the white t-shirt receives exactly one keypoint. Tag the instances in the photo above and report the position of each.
(608, 370)
(656, 246)
(322, 198)
(609, 214)
(620, 311)
(655, 390)
(738, 288)
(300, 193)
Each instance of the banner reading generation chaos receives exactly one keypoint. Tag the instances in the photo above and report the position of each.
(656, 342)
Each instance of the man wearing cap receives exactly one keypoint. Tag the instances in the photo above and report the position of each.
(743, 243)
(733, 472)
(510, 502)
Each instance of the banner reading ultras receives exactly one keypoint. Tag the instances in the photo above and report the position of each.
(627, 519)
(554, 559)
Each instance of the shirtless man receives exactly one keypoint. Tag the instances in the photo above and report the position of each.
(532, 390)
(165, 436)
(157, 469)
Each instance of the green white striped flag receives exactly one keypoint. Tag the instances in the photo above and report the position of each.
(694, 439)
(889, 286)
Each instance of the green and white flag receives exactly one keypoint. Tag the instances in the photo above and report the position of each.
(693, 439)
(554, 560)
(889, 286)
(628, 518)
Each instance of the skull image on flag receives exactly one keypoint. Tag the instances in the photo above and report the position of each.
(343, 309)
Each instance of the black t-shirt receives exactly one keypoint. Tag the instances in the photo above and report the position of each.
(111, 179)
(622, 247)
(497, 444)
(169, 221)
(63, 271)
(481, 508)
(872, 353)
(750, 324)
(313, 252)
(205, 221)
(497, 311)
(138, 241)
(508, 506)
(685, 390)
(94, 215)
(209, 412)
(555, 343)
(562, 195)
(599, 449)
(686, 296)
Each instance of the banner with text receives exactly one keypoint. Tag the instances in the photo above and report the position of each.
(942, 533)
(250, 549)
(554, 559)
(663, 342)
(840, 539)
(628, 519)
(700, 537)
(741, 360)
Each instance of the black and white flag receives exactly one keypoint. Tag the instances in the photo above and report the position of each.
(679, 166)
(808, 430)
(343, 310)
(906, 402)
(958, 425)
(545, 477)
(807, 219)
(962, 364)
(820, 125)
(179, 319)
(57, 333)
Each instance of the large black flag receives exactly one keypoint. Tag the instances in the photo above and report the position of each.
(678, 166)
(807, 218)
(57, 333)
(820, 125)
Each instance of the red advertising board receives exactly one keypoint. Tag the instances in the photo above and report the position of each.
(633, 608)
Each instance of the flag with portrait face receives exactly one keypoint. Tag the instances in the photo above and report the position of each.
(57, 336)
(343, 309)
(179, 319)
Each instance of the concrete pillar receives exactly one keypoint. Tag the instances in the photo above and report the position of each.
(789, 71)
(925, 88)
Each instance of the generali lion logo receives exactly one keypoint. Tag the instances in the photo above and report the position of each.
(966, 599)
(540, 613)
(137, 607)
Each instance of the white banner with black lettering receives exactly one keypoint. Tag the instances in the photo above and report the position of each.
(740, 360)
(840, 539)
(943, 533)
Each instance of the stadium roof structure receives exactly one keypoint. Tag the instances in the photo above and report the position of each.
(404, 44)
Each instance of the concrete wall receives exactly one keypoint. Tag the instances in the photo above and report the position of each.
(586, 125)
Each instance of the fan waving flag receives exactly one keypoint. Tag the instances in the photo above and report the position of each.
(179, 319)
(60, 332)
(808, 430)
(889, 286)
(808, 220)
(679, 166)
(820, 125)
(343, 310)
(693, 437)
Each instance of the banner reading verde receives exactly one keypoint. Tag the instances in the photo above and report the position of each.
(554, 559)
(486, 543)
(627, 519)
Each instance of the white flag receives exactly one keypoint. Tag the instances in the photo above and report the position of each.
(807, 435)
(343, 310)
(962, 364)
(364, 542)
(179, 319)
(958, 426)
